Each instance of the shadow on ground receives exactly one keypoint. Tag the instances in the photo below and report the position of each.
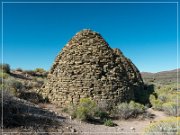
(142, 96)
(21, 114)
(32, 97)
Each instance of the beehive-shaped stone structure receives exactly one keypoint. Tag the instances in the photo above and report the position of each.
(88, 67)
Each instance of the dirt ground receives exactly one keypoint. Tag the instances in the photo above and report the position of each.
(124, 127)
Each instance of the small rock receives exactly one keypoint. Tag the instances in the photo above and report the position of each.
(67, 127)
(132, 128)
(73, 130)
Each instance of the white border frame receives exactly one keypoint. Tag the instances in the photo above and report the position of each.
(88, 2)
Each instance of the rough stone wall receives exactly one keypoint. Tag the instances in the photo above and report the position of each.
(88, 67)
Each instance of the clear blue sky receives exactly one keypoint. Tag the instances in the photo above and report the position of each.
(35, 33)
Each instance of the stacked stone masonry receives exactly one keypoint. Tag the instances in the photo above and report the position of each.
(88, 67)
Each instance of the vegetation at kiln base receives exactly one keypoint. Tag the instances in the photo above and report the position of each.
(128, 110)
(87, 110)
(169, 126)
(165, 98)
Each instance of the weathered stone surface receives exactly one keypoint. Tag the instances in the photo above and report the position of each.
(88, 67)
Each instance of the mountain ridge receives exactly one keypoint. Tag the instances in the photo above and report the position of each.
(162, 76)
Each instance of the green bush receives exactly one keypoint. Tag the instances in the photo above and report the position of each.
(30, 72)
(12, 86)
(128, 110)
(32, 97)
(169, 126)
(156, 103)
(40, 70)
(106, 105)
(37, 72)
(19, 69)
(4, 75)
(71, 110)
(5, 68)
(139, 108)
(165, 98)
(86, 109)
(101, 114)
(109, 123)
(171, 109)
(10, 91)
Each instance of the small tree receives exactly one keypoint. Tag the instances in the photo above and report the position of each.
(86, 109)
(5, 68)
(40, 70)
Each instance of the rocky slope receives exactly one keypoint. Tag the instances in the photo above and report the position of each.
(162, 77)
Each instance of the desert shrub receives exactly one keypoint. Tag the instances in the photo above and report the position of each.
(165, 99)
(109, 123)
(171, 109)
(104, 108)
(40, 81)
(65, 110)
(12, 86)
(38, 84)
(19, 69)
(37, 72)
(162, 97)
(10, 91)
(40, 70)
(156, 104)
(12, 83)
(16, 85)
(101, 114)
(173, 97)
(105, 105)
(30, 72)
(169, 126)
(4, 75)
(139, 108)
(32, 97)
(5, 68)
(71, 110)
(28, 84)
(86, 109)
(128, 110)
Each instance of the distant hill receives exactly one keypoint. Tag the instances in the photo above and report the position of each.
(163, 77)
